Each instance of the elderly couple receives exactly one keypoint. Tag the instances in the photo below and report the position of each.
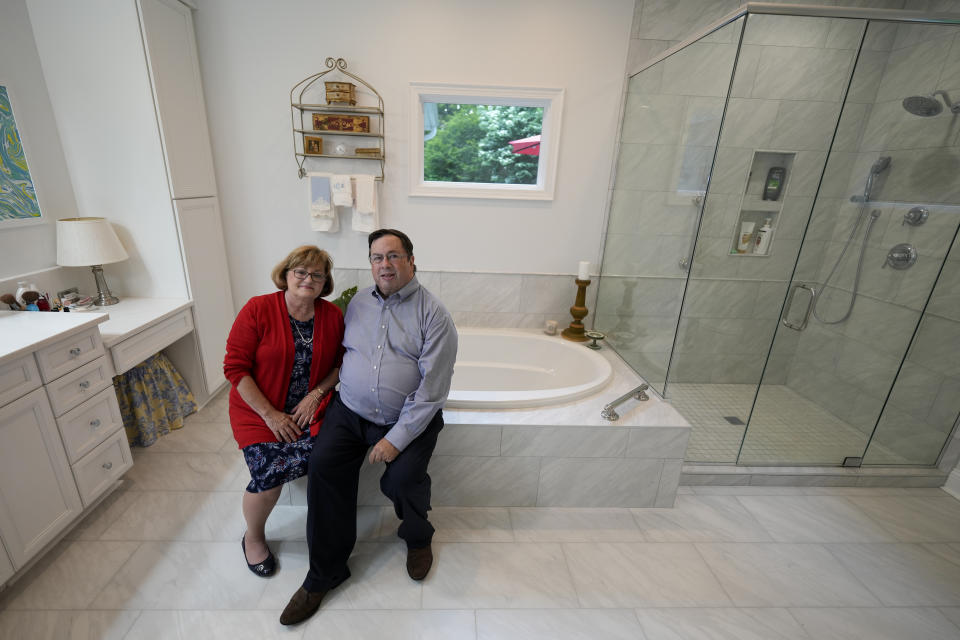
(393, 356)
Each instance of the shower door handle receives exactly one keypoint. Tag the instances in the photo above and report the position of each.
(789, 305)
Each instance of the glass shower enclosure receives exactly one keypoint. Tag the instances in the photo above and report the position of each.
(781, 258)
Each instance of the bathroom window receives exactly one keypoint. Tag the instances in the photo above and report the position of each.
(484, 142)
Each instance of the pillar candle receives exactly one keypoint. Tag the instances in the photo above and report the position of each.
(583, 273)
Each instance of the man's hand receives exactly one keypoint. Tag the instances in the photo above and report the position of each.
(383, 451)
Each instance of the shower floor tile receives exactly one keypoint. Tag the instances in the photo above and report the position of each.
(786, 427)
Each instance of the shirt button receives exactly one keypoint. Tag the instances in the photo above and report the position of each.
(376, 410)
(374, 367)
(372, 389)
(379, 346)
(383, 326)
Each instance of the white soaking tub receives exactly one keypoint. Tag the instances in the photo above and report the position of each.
(503, 368)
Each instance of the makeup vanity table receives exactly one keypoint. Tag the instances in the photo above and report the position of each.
(62, 442)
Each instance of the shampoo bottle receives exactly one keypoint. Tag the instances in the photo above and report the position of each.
(763, 239)
(746, 237)
(774, 183)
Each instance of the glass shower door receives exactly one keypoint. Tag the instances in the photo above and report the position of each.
(882, 224)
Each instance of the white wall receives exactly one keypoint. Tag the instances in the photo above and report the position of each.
(252, 53)
(96, 73)
(29, 248)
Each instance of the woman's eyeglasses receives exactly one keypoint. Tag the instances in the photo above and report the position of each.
(316, 276)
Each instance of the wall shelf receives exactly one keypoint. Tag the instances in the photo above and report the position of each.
(300, 116)
(754, 209)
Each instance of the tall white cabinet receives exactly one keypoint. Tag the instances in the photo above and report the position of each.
(124, 81)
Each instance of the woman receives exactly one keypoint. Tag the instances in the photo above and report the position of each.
(283, 359)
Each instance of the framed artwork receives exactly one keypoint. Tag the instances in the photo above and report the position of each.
(312, 145)
(18, 198)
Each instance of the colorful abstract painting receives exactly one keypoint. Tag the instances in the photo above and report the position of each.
(18, 198)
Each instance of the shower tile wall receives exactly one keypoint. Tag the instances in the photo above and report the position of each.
(781, 99)
(848, 367)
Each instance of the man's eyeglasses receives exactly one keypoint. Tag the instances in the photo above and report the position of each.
(316, 276)
(392, 258)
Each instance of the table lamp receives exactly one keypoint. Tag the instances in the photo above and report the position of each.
(90, 242)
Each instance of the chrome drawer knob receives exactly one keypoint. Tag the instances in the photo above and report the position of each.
(95, 423)
(108, 465)
(74, 352)
(85, 384)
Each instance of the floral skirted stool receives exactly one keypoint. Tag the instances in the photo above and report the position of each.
(153, 400)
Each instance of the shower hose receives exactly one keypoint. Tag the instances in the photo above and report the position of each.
(856, 279)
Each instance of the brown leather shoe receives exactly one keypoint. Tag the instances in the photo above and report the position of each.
(302, 605)
(419, 562)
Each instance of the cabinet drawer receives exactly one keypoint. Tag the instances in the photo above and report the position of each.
(66, 355)
(101, 467)
(18, 378)
(80, 385)
(136, 349)
(88, 425)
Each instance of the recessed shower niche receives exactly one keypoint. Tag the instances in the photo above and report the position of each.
(762, 203)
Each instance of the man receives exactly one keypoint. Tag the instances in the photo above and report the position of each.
(400, 347)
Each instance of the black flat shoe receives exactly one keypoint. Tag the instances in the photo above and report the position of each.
(263, 569)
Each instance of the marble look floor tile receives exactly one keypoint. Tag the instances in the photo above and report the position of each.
(187, 472)
(495, 575)
(814, 519)
(784, 575)
(642, 575)
(701, 518)
(66, 625)
(183, 575)
(551, 624)
(574, 525)
(378, 580)
(212, 625)
(902, 575)
(876, 624)
(915, 518)
(195, 437)
(949, 552)
(293, 561)
(397, 625)
(456, 524)
(719, 624)
(67, 579)
(747, 490)
(180, 515)
(104, 514)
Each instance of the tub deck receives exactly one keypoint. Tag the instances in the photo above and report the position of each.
(564, 455)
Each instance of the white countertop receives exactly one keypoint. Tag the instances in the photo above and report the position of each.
(132, 315)
(25, 331)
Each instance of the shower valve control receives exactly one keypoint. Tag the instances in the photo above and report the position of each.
(915, 217)
(901, 256)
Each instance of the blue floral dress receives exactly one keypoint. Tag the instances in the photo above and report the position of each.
(275, 463)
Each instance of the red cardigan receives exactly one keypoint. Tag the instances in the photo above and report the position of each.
(260, 345)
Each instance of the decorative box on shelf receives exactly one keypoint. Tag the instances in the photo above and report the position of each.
(341, 92)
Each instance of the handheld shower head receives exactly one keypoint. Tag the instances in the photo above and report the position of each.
(881, 165)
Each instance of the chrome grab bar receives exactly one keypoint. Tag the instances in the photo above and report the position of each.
(806, 315)
(608, 412)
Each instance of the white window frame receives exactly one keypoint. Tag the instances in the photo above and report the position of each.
(551, 100)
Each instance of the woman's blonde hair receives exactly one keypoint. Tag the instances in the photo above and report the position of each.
(301, 257)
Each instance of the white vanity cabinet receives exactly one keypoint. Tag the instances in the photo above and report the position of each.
(62, 443)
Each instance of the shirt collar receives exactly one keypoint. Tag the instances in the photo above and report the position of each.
(403, 293)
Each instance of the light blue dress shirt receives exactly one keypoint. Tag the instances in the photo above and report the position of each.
(399, 359)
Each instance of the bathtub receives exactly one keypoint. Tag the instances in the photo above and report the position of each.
(502, 368)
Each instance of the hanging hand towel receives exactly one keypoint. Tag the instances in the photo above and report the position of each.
(323, 217)
(342, 190)
(365, 218)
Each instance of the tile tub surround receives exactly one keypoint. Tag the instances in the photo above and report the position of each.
(558, 456)
(501, 300)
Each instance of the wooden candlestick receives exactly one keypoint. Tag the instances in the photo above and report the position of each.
(579, 312)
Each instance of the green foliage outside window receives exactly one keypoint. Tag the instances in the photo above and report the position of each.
(472, 144)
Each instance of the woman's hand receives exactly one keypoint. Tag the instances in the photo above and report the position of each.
(283, 426)
(305, 409)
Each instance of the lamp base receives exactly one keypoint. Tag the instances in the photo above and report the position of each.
(104, 297)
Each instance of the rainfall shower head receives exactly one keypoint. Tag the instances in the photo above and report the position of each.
(927, 106)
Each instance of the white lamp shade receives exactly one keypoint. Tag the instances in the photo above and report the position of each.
(84, 242)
